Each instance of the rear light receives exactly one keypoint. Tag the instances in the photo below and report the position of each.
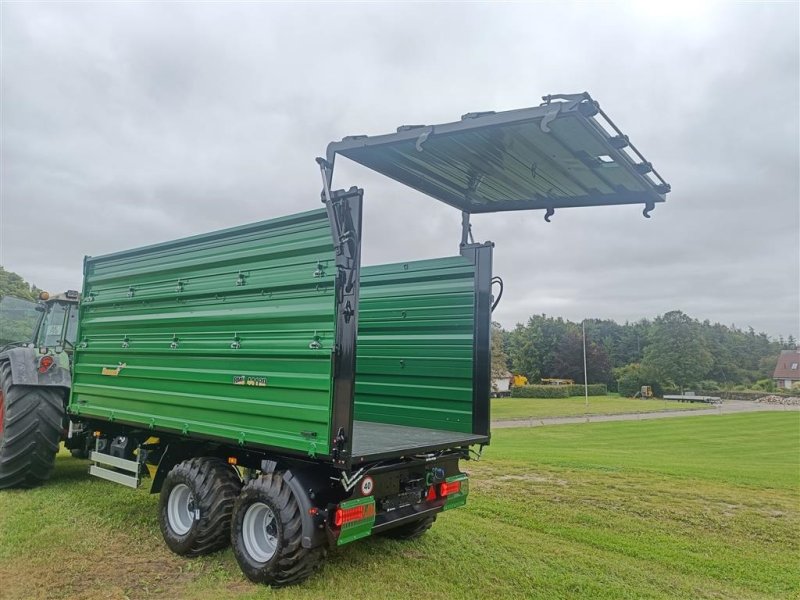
(445, 489)
(343, 516)
(45, 363)
(431, 494)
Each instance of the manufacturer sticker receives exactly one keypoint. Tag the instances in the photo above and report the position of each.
(367, 485)
(113, 372)
(251, 381)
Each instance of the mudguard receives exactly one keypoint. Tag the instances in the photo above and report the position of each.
(303, 483)
(24, 362)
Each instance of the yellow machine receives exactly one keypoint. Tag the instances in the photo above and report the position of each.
(519, 380)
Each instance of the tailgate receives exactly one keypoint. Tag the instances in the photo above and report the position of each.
(564, 153)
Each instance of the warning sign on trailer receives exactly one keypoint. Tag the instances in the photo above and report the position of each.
(366, 486)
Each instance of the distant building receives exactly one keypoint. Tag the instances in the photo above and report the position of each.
(787, 371)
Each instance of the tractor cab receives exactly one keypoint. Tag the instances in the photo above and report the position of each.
(58, 326)
(37, 338)
(48, 326)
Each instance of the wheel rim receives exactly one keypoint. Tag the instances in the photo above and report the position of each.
(260, 532)
(181, 510)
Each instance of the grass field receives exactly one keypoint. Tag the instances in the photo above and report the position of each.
(531, 408)
(697, 507)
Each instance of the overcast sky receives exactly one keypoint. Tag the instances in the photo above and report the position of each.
(128, 124)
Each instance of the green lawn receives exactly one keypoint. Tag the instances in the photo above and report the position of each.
(530, 408)
(699, 507)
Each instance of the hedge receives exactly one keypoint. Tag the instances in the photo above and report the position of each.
(744, 394)
(557, 391)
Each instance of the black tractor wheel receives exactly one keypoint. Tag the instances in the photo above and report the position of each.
(30, 431)
(267, 531)
(195, 506)
(412, 530)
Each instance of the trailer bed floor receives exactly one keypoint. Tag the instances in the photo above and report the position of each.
(381, 440)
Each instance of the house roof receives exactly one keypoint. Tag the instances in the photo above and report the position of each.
(787, 360)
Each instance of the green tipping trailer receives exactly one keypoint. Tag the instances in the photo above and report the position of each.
(288, 399)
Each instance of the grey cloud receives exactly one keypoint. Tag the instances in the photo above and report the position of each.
(126, 124)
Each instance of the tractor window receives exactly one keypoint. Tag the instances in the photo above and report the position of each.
(52, 329)
(18, 319)
(72, 325)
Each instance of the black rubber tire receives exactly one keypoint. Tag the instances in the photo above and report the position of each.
(291, 563)
(87, 445)
(80, 453)
(30, 433)
(214, 485)
(412, 530)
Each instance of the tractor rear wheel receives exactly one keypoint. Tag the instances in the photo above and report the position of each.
(30, 431)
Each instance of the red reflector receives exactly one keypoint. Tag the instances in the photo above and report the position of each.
(343, 516)
(45, 363)
(431, 494)
(445, 489)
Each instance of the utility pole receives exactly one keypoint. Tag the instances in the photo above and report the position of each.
(585, 378)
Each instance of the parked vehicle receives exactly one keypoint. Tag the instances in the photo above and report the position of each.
(291, 399)
(36, 345)
(501, 385)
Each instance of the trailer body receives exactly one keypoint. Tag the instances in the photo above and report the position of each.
(231, 337)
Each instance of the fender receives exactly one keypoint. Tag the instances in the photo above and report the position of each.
(172, 455)
(24, 362)
(303, 483)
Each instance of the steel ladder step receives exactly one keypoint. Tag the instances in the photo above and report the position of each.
(131, 466)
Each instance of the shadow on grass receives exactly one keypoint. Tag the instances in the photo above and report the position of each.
(68, 470)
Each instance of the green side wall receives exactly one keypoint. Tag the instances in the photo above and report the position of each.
(268, 287)
(415, 339)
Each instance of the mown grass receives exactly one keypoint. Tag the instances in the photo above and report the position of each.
(696, 507)
(533, 408)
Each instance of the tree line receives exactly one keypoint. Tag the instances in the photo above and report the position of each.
(12, 284)
(670, 353)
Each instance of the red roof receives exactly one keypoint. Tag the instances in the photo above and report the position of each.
(788, 366)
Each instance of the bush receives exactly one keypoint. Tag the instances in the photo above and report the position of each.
(742, 394)
(768, 385)
(557, 391)
(541, 391)
(595, 389)
(632, 377)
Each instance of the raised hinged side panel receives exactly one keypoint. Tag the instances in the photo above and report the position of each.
(415, 344)
(226, 335)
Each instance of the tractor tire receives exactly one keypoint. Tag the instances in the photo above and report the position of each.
(412, 530)
(266, 534)
(30, 431)
(195, 506)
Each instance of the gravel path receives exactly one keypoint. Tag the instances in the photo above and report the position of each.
(725, 408)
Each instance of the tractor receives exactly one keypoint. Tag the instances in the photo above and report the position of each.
(36, 345)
